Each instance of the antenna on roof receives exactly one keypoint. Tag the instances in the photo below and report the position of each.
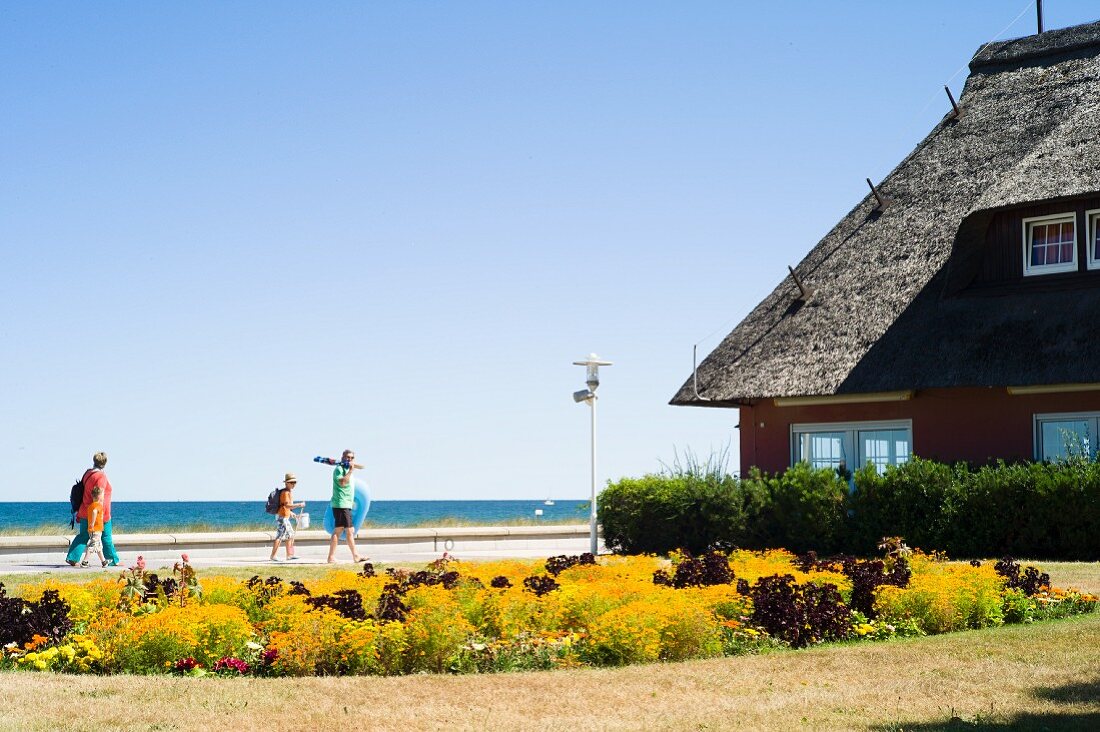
(954, 106)
(883, 202)
(1039, 13)
(695, 375)
(804, 293)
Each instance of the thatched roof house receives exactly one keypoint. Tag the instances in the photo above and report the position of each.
(966, 311)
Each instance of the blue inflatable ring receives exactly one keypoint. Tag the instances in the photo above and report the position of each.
(358, 511)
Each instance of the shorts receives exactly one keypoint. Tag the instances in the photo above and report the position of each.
(95, 541)
(341, 518)
(284, 531)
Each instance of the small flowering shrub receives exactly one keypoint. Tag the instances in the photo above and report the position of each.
(943, 597)
(435, 630)
(148, 642)
(85, 600)
(511, 615)
(78, 655)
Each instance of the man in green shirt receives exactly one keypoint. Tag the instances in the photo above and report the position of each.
(343, 499)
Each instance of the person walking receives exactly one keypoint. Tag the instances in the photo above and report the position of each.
(95, 529)
(343, 498)
(94, 477)
(283, 529)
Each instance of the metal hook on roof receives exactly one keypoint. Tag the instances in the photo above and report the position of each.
(957, 111)
(804, 293)
(883, 201)
(695, 375)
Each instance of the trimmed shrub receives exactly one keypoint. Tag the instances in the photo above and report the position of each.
(1029, 509)
(1039, 510)
(906, 500)
(804, 509)
(658, 513)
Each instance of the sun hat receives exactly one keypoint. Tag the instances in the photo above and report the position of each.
(290, 478)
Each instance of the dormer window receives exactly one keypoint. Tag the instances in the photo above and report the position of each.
(1050, 244)
(1093, 219)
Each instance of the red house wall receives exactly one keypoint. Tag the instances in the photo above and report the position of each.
(973, 424)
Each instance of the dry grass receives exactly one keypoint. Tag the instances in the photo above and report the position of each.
(1042, 676)
(1084, 576)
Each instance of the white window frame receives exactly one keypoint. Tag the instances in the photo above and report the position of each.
(1037, 429)
(851, 439)
(1092, 222)
(1042, 269)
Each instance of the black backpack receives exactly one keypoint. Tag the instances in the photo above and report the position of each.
(76, 498)
(272, 506)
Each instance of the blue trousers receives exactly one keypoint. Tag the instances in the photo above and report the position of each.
(80, 543)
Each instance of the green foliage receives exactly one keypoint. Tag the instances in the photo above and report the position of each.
(687, 507)
(905, 501)
(1041, 510)
(803, 509)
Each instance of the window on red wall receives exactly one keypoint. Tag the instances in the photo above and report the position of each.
(851, 445)
(1062, 436)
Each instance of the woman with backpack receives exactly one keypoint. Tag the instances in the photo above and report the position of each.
(93, 478)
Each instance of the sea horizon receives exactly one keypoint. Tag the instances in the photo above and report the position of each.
(145, 516)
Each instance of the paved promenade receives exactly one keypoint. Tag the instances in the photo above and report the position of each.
(20, 554)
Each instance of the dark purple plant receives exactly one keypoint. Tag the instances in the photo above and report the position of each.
(1030, 580)
(712, 568)
(867, 575)
(390, 604)
(349, 603)
(799, 615)
(265, 590)
(540, 584)
(297, 588)
(20, 620)
(557, 565)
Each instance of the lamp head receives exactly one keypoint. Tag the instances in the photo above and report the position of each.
(583, 395)
(592, 370)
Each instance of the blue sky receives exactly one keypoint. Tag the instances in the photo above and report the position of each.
(238, 235)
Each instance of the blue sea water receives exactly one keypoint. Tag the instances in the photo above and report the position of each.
(146, 516)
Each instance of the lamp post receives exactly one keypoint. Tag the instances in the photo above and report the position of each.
(592, 380)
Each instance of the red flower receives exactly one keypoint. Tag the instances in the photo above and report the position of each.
(229, 663)
(185, 664)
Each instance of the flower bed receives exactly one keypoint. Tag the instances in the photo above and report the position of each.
(454, 617)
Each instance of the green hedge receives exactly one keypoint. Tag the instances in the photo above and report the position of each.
(656, 513)
(1034, 510)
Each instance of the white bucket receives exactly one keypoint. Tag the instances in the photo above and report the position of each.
(303, 520)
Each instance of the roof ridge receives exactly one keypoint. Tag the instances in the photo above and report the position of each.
(1048, 43)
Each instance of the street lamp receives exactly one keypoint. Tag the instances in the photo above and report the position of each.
(592, 380)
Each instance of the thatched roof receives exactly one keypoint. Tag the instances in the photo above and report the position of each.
(886, 313)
